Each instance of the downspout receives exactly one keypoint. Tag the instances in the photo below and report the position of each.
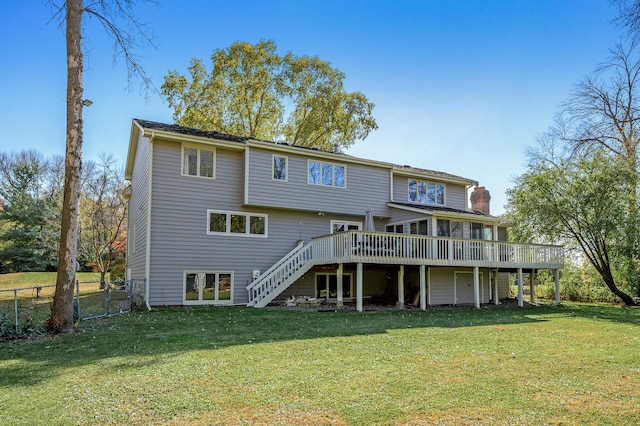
(246, 173)
(147, 266)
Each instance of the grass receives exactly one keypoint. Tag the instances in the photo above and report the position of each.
(568, 365)
(31, 279)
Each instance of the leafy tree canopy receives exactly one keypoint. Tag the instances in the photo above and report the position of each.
(253, 91)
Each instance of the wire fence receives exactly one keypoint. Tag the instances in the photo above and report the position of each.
(25, 309)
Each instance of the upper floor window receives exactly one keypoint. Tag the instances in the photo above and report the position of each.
(198, 161)
(426, 192)
(327, 174)
(235, 223)
(279, 168)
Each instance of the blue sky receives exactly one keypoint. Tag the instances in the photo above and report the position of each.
(459, 86)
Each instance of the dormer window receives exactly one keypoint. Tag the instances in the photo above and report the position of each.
(424, 192)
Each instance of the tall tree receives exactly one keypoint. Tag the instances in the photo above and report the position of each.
(28, 186)
(603, 112)
(103, 214)
(252, 91)
(580, 201)
(108, 13)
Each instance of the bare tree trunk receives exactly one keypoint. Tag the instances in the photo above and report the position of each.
(62, 309)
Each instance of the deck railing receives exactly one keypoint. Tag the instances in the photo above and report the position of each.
(381, 247)
(402, 249)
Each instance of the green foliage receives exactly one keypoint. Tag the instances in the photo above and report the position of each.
(30, 188)
(580, 201)
(252, 91)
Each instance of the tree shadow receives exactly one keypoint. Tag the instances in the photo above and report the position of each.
(137, 339)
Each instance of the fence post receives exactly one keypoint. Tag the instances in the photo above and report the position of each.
(78, 299)
(15, 304)
(106, 296)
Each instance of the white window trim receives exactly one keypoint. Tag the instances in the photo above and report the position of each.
(247, 224)
(344, 166)
(426, 182)
(286, 168)
(199, 148)
(351, 289)
(345, 222)
(206, 302)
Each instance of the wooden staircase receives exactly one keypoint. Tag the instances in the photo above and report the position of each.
(281, 275)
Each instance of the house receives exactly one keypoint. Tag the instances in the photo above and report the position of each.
(220, 219)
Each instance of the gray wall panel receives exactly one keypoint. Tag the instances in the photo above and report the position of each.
(366, 186)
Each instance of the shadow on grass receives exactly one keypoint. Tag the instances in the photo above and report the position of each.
(140, 338)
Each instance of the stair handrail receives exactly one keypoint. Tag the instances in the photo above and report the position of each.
(276, 265)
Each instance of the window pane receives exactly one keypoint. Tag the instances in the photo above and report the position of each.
(413, 228)
(413, 190)
(353, 227)
(333, 286)
(423, 228)
(314, 172)
(280, 168)
(431, 193)
(389, 228)
(338, 227)
(488, 233)
(443, 228)
(346, 286)
(476, 231)
(209, 290)
(191, 289)
(206, 163)
(238, 224)
(256, 225)
(217, 222)
(190, 165)
(327, 174)
(338, 176)
(422, 192)
(456, 229)
(440, 194)
(224, 287)
(321, 286)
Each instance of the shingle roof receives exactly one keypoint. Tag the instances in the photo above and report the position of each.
(188, 131)
(441, 209)
(427, 171)
(152, 125)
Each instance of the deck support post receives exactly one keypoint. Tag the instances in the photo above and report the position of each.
(532, 287)
(400, 303)
(496, 294)
(520, 300)
(556, 279)
(359, 287)
(339, 302)
(476, 286)
(423, 288)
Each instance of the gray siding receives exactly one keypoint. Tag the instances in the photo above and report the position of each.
(442, 281)
(137, 211)
(179, 221)
(455, 195)
(366, 186)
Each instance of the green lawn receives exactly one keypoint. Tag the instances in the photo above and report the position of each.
(31, 279)
(571, 365)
